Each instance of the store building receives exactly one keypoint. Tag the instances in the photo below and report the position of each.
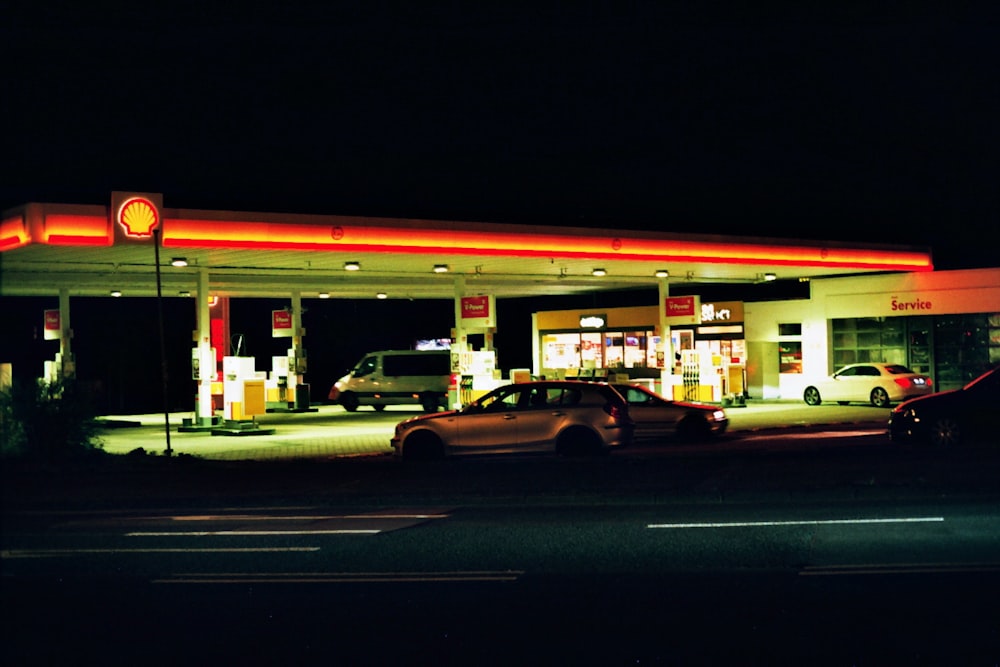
(945, 324)
(705, 360)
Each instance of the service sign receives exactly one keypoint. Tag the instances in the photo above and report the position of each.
(479, 311)
(281, 324)
(53, 325)
(682, 310)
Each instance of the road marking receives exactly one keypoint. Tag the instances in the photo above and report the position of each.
(250, 533)
(45, 553)
(902, 568)
(341, 577)
(301, 517)
(821, 522)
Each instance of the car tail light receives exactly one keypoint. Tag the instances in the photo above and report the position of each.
(617, 412)
(905, 383)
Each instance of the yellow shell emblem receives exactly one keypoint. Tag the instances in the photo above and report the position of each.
(138, 217)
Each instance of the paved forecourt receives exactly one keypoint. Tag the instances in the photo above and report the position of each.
(330, 431)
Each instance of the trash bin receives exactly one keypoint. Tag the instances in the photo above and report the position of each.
(302, 397)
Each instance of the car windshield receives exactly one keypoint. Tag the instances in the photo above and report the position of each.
(896, 369)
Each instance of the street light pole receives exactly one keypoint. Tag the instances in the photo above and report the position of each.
(163, 344)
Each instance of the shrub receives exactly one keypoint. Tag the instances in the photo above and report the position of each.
(46, 421)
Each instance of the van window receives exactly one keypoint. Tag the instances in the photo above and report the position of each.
(366, 366)
(416, 364)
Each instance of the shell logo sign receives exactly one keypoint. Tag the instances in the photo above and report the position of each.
(138, 217)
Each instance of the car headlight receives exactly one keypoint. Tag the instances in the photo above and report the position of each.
(719, 415)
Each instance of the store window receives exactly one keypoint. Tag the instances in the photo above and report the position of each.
(790, 329)
(994, 327)
(790, 347)
(633, 350)
(961, 349)
(791, 357)
(868, 339)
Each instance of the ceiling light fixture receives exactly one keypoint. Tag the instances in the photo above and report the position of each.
(440, 268)
(116, 292)
(324, 295)
(179, 261)
(768, 277)
(599, 272)
(381, 295)
(352, 266)
(184, 293)
(662, 273)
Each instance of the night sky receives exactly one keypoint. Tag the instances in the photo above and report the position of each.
(844, 124)
(850, 123)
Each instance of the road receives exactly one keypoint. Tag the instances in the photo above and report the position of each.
(818, 547)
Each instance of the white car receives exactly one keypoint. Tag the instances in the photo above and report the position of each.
(876, 383)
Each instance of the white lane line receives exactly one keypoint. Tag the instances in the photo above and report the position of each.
(46, 553)
(250, 533)
(900, 568)
(821, 522)
(303, 517)
(341, 577)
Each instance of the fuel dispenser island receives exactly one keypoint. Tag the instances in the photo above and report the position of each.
(283, 391)
(478, 375)
(243, 391)
(710, 377)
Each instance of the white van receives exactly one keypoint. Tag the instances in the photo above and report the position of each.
(396, 377)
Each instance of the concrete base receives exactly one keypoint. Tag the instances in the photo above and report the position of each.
(287, 406)
(231, 427)
(198, 424)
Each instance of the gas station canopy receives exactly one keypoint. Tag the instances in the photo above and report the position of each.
(90, 250)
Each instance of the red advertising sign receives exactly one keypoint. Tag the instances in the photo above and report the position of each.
(682, 310)
(476, 307)
(53, 325)
(281, 324)
(678, 306)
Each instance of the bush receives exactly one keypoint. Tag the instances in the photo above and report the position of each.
(46, 421)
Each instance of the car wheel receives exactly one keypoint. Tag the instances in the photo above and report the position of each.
(578, 441)
(692, 429)
(880, 398)
(429, 402)
(422, 446)
(945, 432)
(349, 401)
(811, 396)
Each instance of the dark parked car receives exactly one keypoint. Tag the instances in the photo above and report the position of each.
(951, 418)
(561, 416)
(659, 420)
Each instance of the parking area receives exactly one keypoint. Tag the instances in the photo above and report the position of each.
(330, 431)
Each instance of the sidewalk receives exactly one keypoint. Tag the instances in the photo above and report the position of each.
(331, 432)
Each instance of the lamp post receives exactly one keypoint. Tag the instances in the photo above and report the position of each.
(163, 344)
